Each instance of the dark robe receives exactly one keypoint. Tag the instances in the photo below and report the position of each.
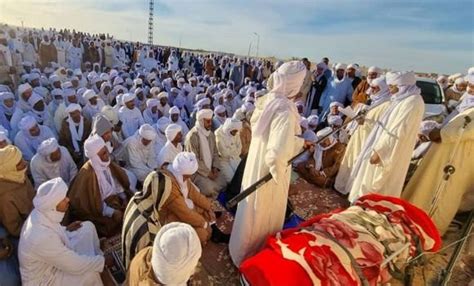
(86, 200)
(65, 140)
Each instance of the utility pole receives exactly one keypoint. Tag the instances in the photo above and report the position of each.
(258, 41)
(150, 22)
(250, 47)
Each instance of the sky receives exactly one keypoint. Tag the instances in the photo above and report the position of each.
(420, 35)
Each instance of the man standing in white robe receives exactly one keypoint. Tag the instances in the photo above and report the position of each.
(275, 139)
(51, 254)
(383, 163)
(52, 161)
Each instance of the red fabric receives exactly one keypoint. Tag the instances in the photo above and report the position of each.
(415, 214)
(269, 267)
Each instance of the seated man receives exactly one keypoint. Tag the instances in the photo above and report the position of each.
(202, 142)
(99, 191)
(186, 204)
(229, 147)
(130, 115)
(51, 254)
(30, 136)
(140, 152)
(16, 191)
(322, 168)
(75, 129)
(52, 161)
(170, 261)
(173, 145)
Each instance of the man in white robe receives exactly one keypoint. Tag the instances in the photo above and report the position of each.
(229, 147)
(140, 152)
(30, 136)
(175, 117)
(130, 115)
(173, 146)
(51, 254)
(52, 161)
(151, 114)
(383, 163)
(202, 142)
(275, 139)
(93, 104)
(380, 100)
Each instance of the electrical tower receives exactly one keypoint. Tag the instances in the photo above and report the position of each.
(150, 22)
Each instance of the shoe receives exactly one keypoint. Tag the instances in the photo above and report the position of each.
(218, 236)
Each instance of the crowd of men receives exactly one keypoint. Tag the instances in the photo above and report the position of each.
(90, 125)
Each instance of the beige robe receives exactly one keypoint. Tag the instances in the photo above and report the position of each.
(355, 146)
(16, 203)
(458, 192)
(140, 272)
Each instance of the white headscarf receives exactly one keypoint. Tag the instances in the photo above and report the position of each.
(176, 253)
(382, 95)
(92, 146)
(171, 131)
(319, 150)
(48, 196)
(203, 133)
(147, 132)
(185, 163)
(230, 125)
(76, 134)
(406, 83)
(287, 81)
(47, 147)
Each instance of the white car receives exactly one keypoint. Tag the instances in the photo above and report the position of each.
(433, 96)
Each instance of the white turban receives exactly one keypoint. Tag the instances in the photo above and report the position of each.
(154, 90)
(313, 120)
(336, 103)
(163, 94)
(324, 132)
(334, 120)
(231, 125)
(460, 80)
(202, 102)
(204, 114)
(176, 253)
(185, 163)
(152, 102)
(109, 112)
(88, 94)
(69, 92)
(27, 122)
(470, 78)
(427, 126)
(239, 114)
(288, 78)
(401, 78)
(172, 130)
(162, 123)
(147, 132)
(50, 194)
(352, 66)
(341, 66)
(117, 81)
(174, 110)
(219, 109)
(34, 98)
(138, 81)
(55, 92)
(6, 95)
(304, 123)
(73, 107)
(375, 69)
(93, 145)
(47, 147)
(128, 97)
(23, 87)
(200, 96)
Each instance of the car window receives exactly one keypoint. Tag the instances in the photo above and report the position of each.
(430, 92)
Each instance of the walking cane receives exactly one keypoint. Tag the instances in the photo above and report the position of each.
(252, 188)
(448, 169)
